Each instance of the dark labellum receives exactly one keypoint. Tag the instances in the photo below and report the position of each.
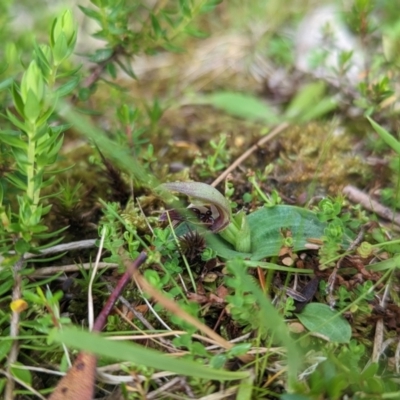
(205, 214)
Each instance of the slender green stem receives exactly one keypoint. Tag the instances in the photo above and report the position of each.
(259, 191)
(230, 233)
(32, 194)
(188, 269)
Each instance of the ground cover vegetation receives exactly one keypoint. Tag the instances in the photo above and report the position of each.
(198, 200)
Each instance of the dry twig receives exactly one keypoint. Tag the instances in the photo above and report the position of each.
(359, 197)
(332, 276)
(275, 132)
(69, 268)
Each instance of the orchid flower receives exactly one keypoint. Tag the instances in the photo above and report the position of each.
(213, 209)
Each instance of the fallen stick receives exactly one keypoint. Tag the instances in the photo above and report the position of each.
(357, 196)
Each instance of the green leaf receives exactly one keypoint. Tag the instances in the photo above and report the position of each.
(306, 97)
(370, 371)
(110, 148)
(68, 87)
(184, 5)
(5, 347)
(6, 83)
(5, 286)
(140, 355)
(269, 317)
(390, 263)
(196, 32)
(319, 318)
(173, 48)
(112, 71)
(53, 152)
(267, 226)
(210, 5)
(22, 374)
(13, 139)
(17, 100)
(44, 130)
(91, 13)
(60, 49)
(101, 55)
(239, 349)
(324, 106)
(158, 32)
(288, 396)
(246, 388)
(3, 382)
(127, 68)
(42, 60)
(17, 181)
(21, 246)
(48, 144)
(14, 120)
(43, 118)
(170, 21)
(242, 105)
(32, 106)
(390, 140)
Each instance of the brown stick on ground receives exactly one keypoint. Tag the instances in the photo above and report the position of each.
(78, 383)
(357, 196)
(280, 128)
(131, 268)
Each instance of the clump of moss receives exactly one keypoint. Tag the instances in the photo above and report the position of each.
(320, 155)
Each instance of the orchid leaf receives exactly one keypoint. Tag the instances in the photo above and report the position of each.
(260, 234)
(268, 228)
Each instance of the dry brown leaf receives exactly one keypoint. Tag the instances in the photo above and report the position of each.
(222, 291)
(78, 384)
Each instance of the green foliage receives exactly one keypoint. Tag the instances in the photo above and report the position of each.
(213, 163)
(251, 307)
(347, 298)
(44, 95)
(345, 370)
(139, 355)
(320, 319)
(242, 105)
(117, 233)
(269, 200)
(268, 238)
(37, 80)
(373, 95)
(337, 231)
(164, 25)
(34, 142)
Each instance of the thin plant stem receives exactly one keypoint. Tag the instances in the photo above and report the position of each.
(189, 271)
(92, 278)
(32, 194)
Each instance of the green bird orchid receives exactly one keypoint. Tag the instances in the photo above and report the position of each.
(213, 210)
